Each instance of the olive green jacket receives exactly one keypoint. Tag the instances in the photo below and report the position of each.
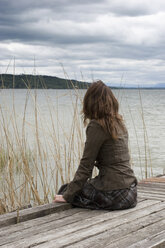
(110, 156)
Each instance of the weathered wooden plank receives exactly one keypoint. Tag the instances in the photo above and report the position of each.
(31, 213)
(154, 179)
(152, 185)
(47, 219)
(48, 226)
(151, 196)
(137, 236)
(7, 230)
(152, 188)
(157, 193)
(102, 239)
(67, 224)
(140, 200)
(70, 239)
(154, 241)
(102, 222)
(149, 189)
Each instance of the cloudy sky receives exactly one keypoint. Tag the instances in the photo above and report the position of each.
(117, 41)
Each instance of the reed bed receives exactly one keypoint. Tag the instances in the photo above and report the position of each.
(32, 172)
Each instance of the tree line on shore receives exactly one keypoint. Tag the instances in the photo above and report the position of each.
(23, 81)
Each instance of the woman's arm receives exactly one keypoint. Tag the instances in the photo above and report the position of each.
(95, 136)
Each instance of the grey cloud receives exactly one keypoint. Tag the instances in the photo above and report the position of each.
(85, 35)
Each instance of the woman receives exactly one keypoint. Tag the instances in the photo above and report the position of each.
(106, 147)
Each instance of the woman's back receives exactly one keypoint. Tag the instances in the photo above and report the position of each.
(113, 160)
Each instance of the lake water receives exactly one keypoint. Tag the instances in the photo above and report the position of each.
(142, 110)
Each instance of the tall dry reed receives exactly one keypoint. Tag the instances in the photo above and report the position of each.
(31, 173)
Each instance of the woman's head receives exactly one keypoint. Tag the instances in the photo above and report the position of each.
(100, 104)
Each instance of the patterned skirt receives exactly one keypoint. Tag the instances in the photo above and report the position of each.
(91, 198)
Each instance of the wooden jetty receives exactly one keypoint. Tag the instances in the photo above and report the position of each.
(60, 225)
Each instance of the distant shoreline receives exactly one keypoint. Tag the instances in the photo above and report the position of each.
(113, 88)
(24, 81)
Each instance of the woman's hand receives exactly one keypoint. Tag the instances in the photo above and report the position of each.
(59, 198)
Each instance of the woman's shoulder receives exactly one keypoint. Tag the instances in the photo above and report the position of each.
(94, 123)
(95, 126)
(94, 129)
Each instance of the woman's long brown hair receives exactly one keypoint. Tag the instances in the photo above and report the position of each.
(100, 104)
